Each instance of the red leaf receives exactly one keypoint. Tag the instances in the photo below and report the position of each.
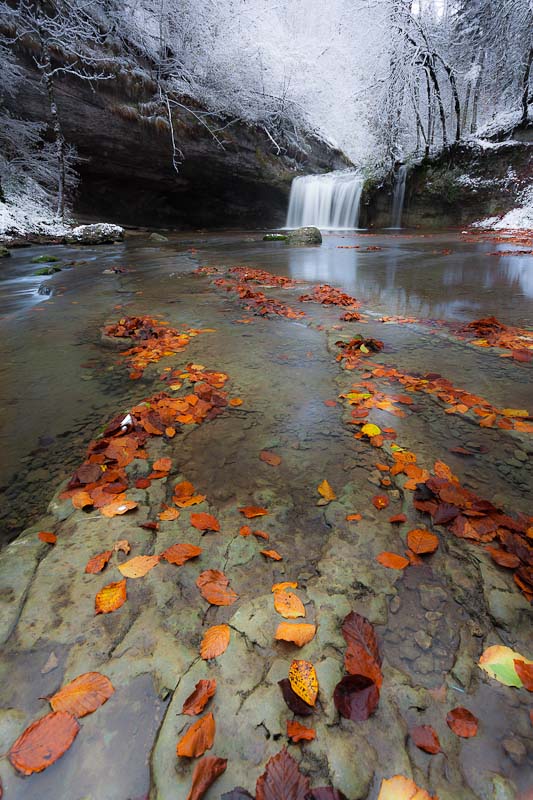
(204, 522)
(205, 773)
(356, 629)
(380, 501)
(295, 703)
(356, 697)
(43, 742)
(426, 739)
(282, 780)
(49, 538)
(197, 700)
(462, 722)
(525, 673)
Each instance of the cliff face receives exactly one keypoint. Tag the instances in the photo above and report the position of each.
(126, 160)
(464, 184)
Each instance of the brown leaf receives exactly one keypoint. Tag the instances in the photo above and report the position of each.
(46, 536)
(525, 673)
(253, 511)
(392, 560)
(295, 703)
(425, 739)
(138, 566)
(357, 630)
(83, 695)
(421, 541)
(503, 558)
(198, 738)
(282, 780)
(270, 458)
(205, 773)
(303, 680)
(213, 586)
(356, 697)
(288, 605)
(462, 722)
(98, 562)
(273, 554)
(204, 522)
(180, 553)
(215, 641)
(122, 545)
(299, 733)
(43, 742)
(111, 597)
(197, 700)
(298, 633)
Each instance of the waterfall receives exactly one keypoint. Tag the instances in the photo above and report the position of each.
(398, 197)
(326, 201)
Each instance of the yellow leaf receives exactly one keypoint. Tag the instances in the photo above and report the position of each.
(303, 680)
(498, 662)
(400, 788)
(299, 633)
(110, 597)
(515, 412)
(138, 566)
(370, 429)
(280, 587)
(326, 491)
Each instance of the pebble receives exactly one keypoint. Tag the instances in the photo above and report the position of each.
(431, 597)
(520, 455)
(515, 749)
(423, 640)
(433, 616)
(395, 604)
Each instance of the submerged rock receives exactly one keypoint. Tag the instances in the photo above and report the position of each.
(307, 235)
(99, 233)
(158, 237)
(47, 271)
(44, 259)
(4, 252)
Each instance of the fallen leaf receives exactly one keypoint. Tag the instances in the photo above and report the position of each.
(180, 553)
(398, 518)
(111, 597)
(253, 511)
(380, 501)
(162, 465)
(273, 554)
(282, 780)
(524, 671)
(138, 566)
(213, 586)
(118, 507)
(421, 541)
(299, 733)
(81, 499)
(370, 430)
(197, 700)
(400, 788)
(98, 562)
(425, 739)
(215, 641)
(462, 722)
(205, 773)
(392, 560)
(503, 558)
(122, 545)
(235, 401)
(299, 633)
(204, 522)
(43, 742)
(280, 587)
(168, 514)
(46, 536)
(356, 697)
(83, 695)
(270, 458)
(303, 680)
(353, 517)
(294, 703)
(499, 662)
(198, 738)
(327, 493)
(288, 605)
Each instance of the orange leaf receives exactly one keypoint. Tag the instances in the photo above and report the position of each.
(111, 597)
(245, 530)
(199, 738)
(380, 501)
(253, 511)
(98, 562)
(168, 514)
(205, 773)
(298, 732)
(138, 566)
(118, 507)
(204, 522)
(299, 633)
(213, 586)
(303, 680)
(81, 499)
(180, 553)
(327, 493)
(43, 742)
(288, 605)
(270, 458)
(83, 695)
(273, 554)
(400, 788)
(235, 401)
(162, 465)
(215, 641)
(462, 722)
(398, 518)
(421, 541)
(525, 673)
(280, 587)
(392, 560)
(353, 517)
(196, 702)
(46, 536)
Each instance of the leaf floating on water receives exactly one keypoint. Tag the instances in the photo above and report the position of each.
(138, 566)
(180, 553)
(213, 586)
(425, 739)
(204, 522)
(392, 560)
(288, 605)
(253, 511)
(282, 780)
(83, 695)
(499, 663)
(198, 738)
(270, 458)
(299, 733)
(98, 562)
(111, 597)
(462, 722)
(215, 641)
(206, 771)
(327, 493)
(46, 536)
(400, 788)
(303, 680)
(421, 541)
(43, 742)
(197, 700)
(299, 633)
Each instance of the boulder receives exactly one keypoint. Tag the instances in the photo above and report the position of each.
(157, 237)
(4, 252)
(99, 233)
(308, 235)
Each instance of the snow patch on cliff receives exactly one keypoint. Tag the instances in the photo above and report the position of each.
(26, 208)
(520, 218)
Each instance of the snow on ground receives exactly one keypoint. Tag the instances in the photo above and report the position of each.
(520, 218)
(27, 208)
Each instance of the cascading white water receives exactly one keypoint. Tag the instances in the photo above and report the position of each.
(326, 201)
(398, 197)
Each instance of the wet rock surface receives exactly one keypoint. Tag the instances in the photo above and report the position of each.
(433, 620)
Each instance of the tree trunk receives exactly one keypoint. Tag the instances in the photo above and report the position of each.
(525, 86)
(429, 138)
(434, 79)
(56, 127)
(477, 90)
